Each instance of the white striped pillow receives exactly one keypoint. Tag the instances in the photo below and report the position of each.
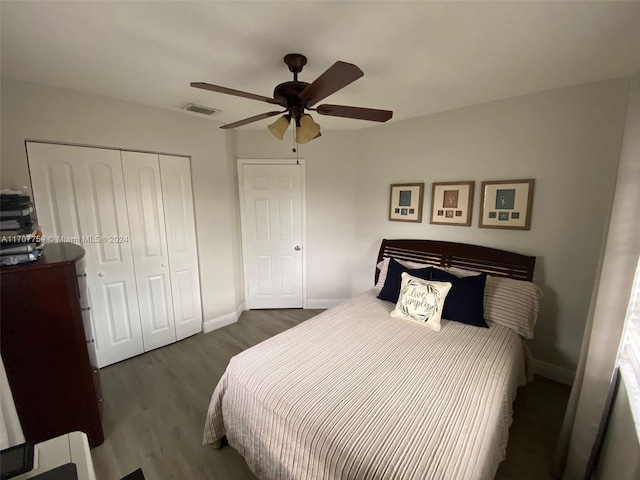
(383, 266)
(512, 303)
(462, 272)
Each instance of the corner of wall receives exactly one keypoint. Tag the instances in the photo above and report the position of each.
(552, 372)
(219, 322)
(231, 146)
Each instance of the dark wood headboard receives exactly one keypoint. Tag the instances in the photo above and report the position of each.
(499, 263)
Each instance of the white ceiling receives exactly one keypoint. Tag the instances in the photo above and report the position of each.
(418, 57)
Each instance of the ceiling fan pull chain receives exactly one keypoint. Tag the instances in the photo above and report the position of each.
(293, 142)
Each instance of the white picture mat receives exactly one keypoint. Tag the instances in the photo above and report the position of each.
(463, 204)
(415, 203)
(520, 204)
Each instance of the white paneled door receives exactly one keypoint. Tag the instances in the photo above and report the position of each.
(133, 213)
(79, 197)
(273, 235)
(181, 244)
(150, 255)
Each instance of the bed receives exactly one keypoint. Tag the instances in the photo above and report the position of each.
(357, 393)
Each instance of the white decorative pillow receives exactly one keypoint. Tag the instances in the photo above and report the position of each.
(421, 301)
(415, 265)
(512, 303)
(383, 266)
(462, 272)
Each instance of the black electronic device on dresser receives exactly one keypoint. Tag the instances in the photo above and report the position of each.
(48, 346)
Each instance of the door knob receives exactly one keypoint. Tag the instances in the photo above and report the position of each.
(101, 274)
(163, 264)
(297, 249)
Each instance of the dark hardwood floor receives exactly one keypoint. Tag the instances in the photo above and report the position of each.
(155, 405)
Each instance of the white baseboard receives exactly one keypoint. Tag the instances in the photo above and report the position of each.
(324, 303)
(223, 321)
(216, 323)
(552, 372)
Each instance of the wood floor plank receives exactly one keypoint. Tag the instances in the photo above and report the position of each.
(155, 406)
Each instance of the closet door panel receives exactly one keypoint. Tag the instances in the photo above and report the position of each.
(151, 261)
(181, 243)
(79, 197)
(108, 242)
(55, 191)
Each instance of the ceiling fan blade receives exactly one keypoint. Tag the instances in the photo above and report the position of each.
(359, 113)
(231, 91)
(337, 76)
(255, 118)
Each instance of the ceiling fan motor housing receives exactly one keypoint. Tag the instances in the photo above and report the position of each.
(287, 95)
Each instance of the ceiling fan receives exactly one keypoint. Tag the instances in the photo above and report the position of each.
(297, 96)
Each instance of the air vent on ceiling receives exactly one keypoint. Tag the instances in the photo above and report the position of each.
(192, 107)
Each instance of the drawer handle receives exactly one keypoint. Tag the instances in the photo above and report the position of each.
(91, 341)
(101, 274)
(163, 264)
(81, 275)
(85, 309)
(95, 370)
(101, 400)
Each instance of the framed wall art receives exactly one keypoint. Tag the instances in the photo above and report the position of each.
(405, 202)
(452, 203)
(507, 204)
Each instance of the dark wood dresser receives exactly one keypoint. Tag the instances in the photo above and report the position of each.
(48, 347)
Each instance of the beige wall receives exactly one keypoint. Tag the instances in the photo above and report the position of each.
(567, 139)
(331, 163)
(620, 454)
(51, 114)
(610, 300)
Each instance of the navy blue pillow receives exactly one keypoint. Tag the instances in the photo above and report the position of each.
(391, 288)
(465, 301)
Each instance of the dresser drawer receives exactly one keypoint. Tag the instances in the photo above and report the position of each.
(91, 342)
(83, 291)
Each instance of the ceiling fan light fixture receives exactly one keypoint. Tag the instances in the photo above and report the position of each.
(279, 127)
(297, 96)
(308, 129)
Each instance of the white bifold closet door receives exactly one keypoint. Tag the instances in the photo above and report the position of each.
(133, 213)
(150, 256)
(181, 244)
(79, 195)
